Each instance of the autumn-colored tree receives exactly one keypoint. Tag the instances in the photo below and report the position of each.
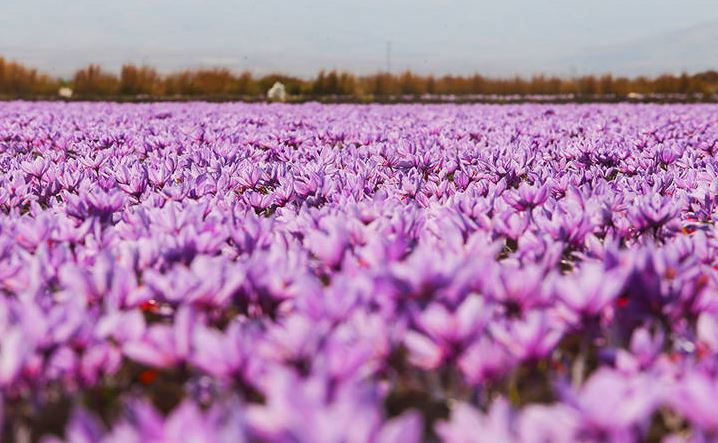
(18, 80)
(246, 85)
(140, 80)
(411, 84)
(93, 81)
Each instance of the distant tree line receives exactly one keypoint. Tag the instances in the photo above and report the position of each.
(92, 81)
(16, 79)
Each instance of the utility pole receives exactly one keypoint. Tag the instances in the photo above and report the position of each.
(388, 57)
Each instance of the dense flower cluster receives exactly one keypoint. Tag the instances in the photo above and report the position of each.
(225, 273)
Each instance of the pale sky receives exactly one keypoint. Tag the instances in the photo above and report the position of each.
(502, 37)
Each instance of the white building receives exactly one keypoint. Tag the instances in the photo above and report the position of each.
(65, 92)
(277, 93)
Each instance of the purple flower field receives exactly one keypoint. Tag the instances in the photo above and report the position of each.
(358, 273)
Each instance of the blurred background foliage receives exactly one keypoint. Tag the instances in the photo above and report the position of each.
(145, 82)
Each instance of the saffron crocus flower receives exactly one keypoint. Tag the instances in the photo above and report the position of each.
(454, 329)
(36, 168)
(14, 352)
(445, 334)
(423, 273)
(163, 346)
(567, 223)
(122, 326)
(590, 290)
(468, 425)
(516, 288)
(295, 340)
(424, 352)
(555, 423)
(626, 404)
(94, 203)
(531, 337)
(329, 242)
(527, 197)
(224, 354)
(511, 225)
(692, 396)
(644, 350)
(187, 422)
(668, 155)
(305, 410)
(707, 331)
(404, 428)
(207, 282)
(32, 232)
(313, 272)
(275, 275)
(653, 212)
(132, 180)
(485, 360)
(251, 232)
